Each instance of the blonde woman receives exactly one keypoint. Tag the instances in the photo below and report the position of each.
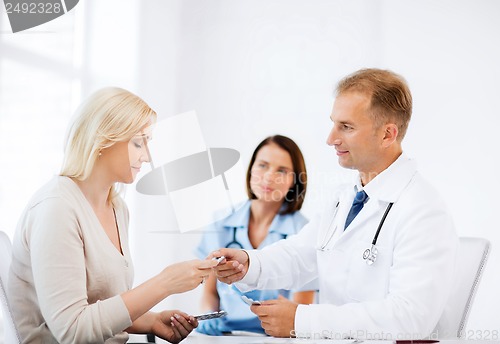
(71, 275)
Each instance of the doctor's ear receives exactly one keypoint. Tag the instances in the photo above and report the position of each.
(390, 134)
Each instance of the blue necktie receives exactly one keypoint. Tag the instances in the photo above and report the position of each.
(357, 205)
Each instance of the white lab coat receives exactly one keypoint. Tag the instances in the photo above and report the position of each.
(401, 295)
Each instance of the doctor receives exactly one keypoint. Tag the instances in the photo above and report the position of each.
(383, 250)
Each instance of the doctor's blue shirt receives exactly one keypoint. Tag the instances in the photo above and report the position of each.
(226, 231)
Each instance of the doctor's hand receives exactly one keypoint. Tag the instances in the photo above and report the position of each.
(233, 268)
(173, 326)
(184, 276)
(277, 317)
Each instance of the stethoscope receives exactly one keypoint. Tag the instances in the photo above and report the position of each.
(236, 244)
(370, 254)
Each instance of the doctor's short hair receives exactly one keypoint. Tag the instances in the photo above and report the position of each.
(108, 116)
(391, 100)
(295, 197)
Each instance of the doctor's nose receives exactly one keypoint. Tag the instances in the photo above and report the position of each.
(333, 139)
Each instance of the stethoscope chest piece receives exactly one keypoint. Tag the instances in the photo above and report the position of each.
(370, 255)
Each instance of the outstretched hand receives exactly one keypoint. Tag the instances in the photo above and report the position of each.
(184, 276)
(233, 268)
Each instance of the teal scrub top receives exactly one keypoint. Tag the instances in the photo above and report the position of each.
(225, 232)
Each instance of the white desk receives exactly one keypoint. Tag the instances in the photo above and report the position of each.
(198, 339)
(202, 339)
(264, 340)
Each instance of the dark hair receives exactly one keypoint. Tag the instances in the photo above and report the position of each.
(295, 196)
(390, 96)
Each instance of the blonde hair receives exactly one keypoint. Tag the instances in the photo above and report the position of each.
(108, 116)
(391, 98)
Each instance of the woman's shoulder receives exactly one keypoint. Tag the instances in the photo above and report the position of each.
(297, 219)
(60, 193)
(56, 190)
(231, 217)
(49, 204)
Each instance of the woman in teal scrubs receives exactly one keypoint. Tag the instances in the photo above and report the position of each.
(276, 184)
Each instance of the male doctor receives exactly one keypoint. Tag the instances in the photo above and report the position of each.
(389, 283)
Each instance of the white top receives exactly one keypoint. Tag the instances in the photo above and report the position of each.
(66, 274)
(402, 294)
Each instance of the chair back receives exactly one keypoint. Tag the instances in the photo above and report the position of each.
(9, 328)
(472, 256)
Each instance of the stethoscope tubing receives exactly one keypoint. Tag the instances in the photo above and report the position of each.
(370, 254)
(375, 238)
(235, 242)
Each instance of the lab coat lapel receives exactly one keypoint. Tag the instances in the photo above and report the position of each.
(370, 209)
(381, 190)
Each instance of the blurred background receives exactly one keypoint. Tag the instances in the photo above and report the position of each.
(252, 69)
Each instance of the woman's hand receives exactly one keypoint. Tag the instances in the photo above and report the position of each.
(174, 279)
(184, 276)
(173, 326)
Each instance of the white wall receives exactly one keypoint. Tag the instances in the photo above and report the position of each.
(447, 51)
(251, 69)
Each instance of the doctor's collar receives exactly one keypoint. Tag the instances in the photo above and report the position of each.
(388, 185)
